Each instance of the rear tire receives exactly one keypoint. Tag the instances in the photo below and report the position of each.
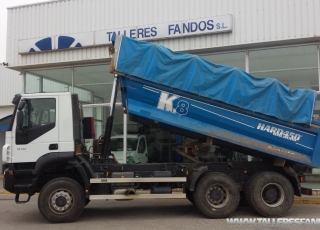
(270, 194)
(216, 195)
(61, 200)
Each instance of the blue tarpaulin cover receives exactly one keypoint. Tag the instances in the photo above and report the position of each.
(227, 84)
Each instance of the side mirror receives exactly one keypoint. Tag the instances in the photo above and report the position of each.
(21, 105)
(16, 99)
(19, 119)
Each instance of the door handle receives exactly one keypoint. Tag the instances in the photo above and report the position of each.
(53, 146)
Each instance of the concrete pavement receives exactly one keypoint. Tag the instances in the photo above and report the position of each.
(164, 214)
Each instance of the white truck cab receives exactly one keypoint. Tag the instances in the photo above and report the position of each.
(137, 151)
(43, 124)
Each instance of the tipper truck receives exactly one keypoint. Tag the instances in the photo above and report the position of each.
(181, 93)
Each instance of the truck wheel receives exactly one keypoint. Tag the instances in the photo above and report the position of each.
(189, 195)
(61, 200)
(270, 194)
(216, 195)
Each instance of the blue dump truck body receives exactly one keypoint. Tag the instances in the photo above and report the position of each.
(153, 96)
(198, 117)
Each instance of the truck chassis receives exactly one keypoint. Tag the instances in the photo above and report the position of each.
(66, 187)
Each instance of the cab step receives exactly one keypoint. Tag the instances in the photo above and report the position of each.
(19, 201)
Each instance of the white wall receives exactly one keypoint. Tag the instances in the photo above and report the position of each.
(254, 21)
(11, 83)
(5, 111)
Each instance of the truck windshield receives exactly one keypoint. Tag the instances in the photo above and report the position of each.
(117, 144)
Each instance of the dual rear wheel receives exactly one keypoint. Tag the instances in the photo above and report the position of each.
(268, 193)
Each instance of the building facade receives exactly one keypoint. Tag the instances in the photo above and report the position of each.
(61, 46)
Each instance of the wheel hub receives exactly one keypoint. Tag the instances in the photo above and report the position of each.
(272, 195)
(217, 196)
(61, 201)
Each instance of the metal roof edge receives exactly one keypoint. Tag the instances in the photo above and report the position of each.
(33, 4)
(22, 68)
(256, 45)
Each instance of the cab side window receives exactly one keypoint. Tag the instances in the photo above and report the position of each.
(39, 117)
(42, 111)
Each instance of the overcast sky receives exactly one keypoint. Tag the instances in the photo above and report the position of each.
(3, 21)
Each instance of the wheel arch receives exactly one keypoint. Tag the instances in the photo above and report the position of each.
(292, 176)
(196, 175)
(66, 166)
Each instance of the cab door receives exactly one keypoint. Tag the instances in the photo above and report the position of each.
(36, 129)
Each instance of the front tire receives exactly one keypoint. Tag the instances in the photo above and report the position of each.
(216, 195)
(61, 200)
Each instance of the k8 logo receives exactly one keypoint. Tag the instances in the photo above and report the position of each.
(166, 103)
